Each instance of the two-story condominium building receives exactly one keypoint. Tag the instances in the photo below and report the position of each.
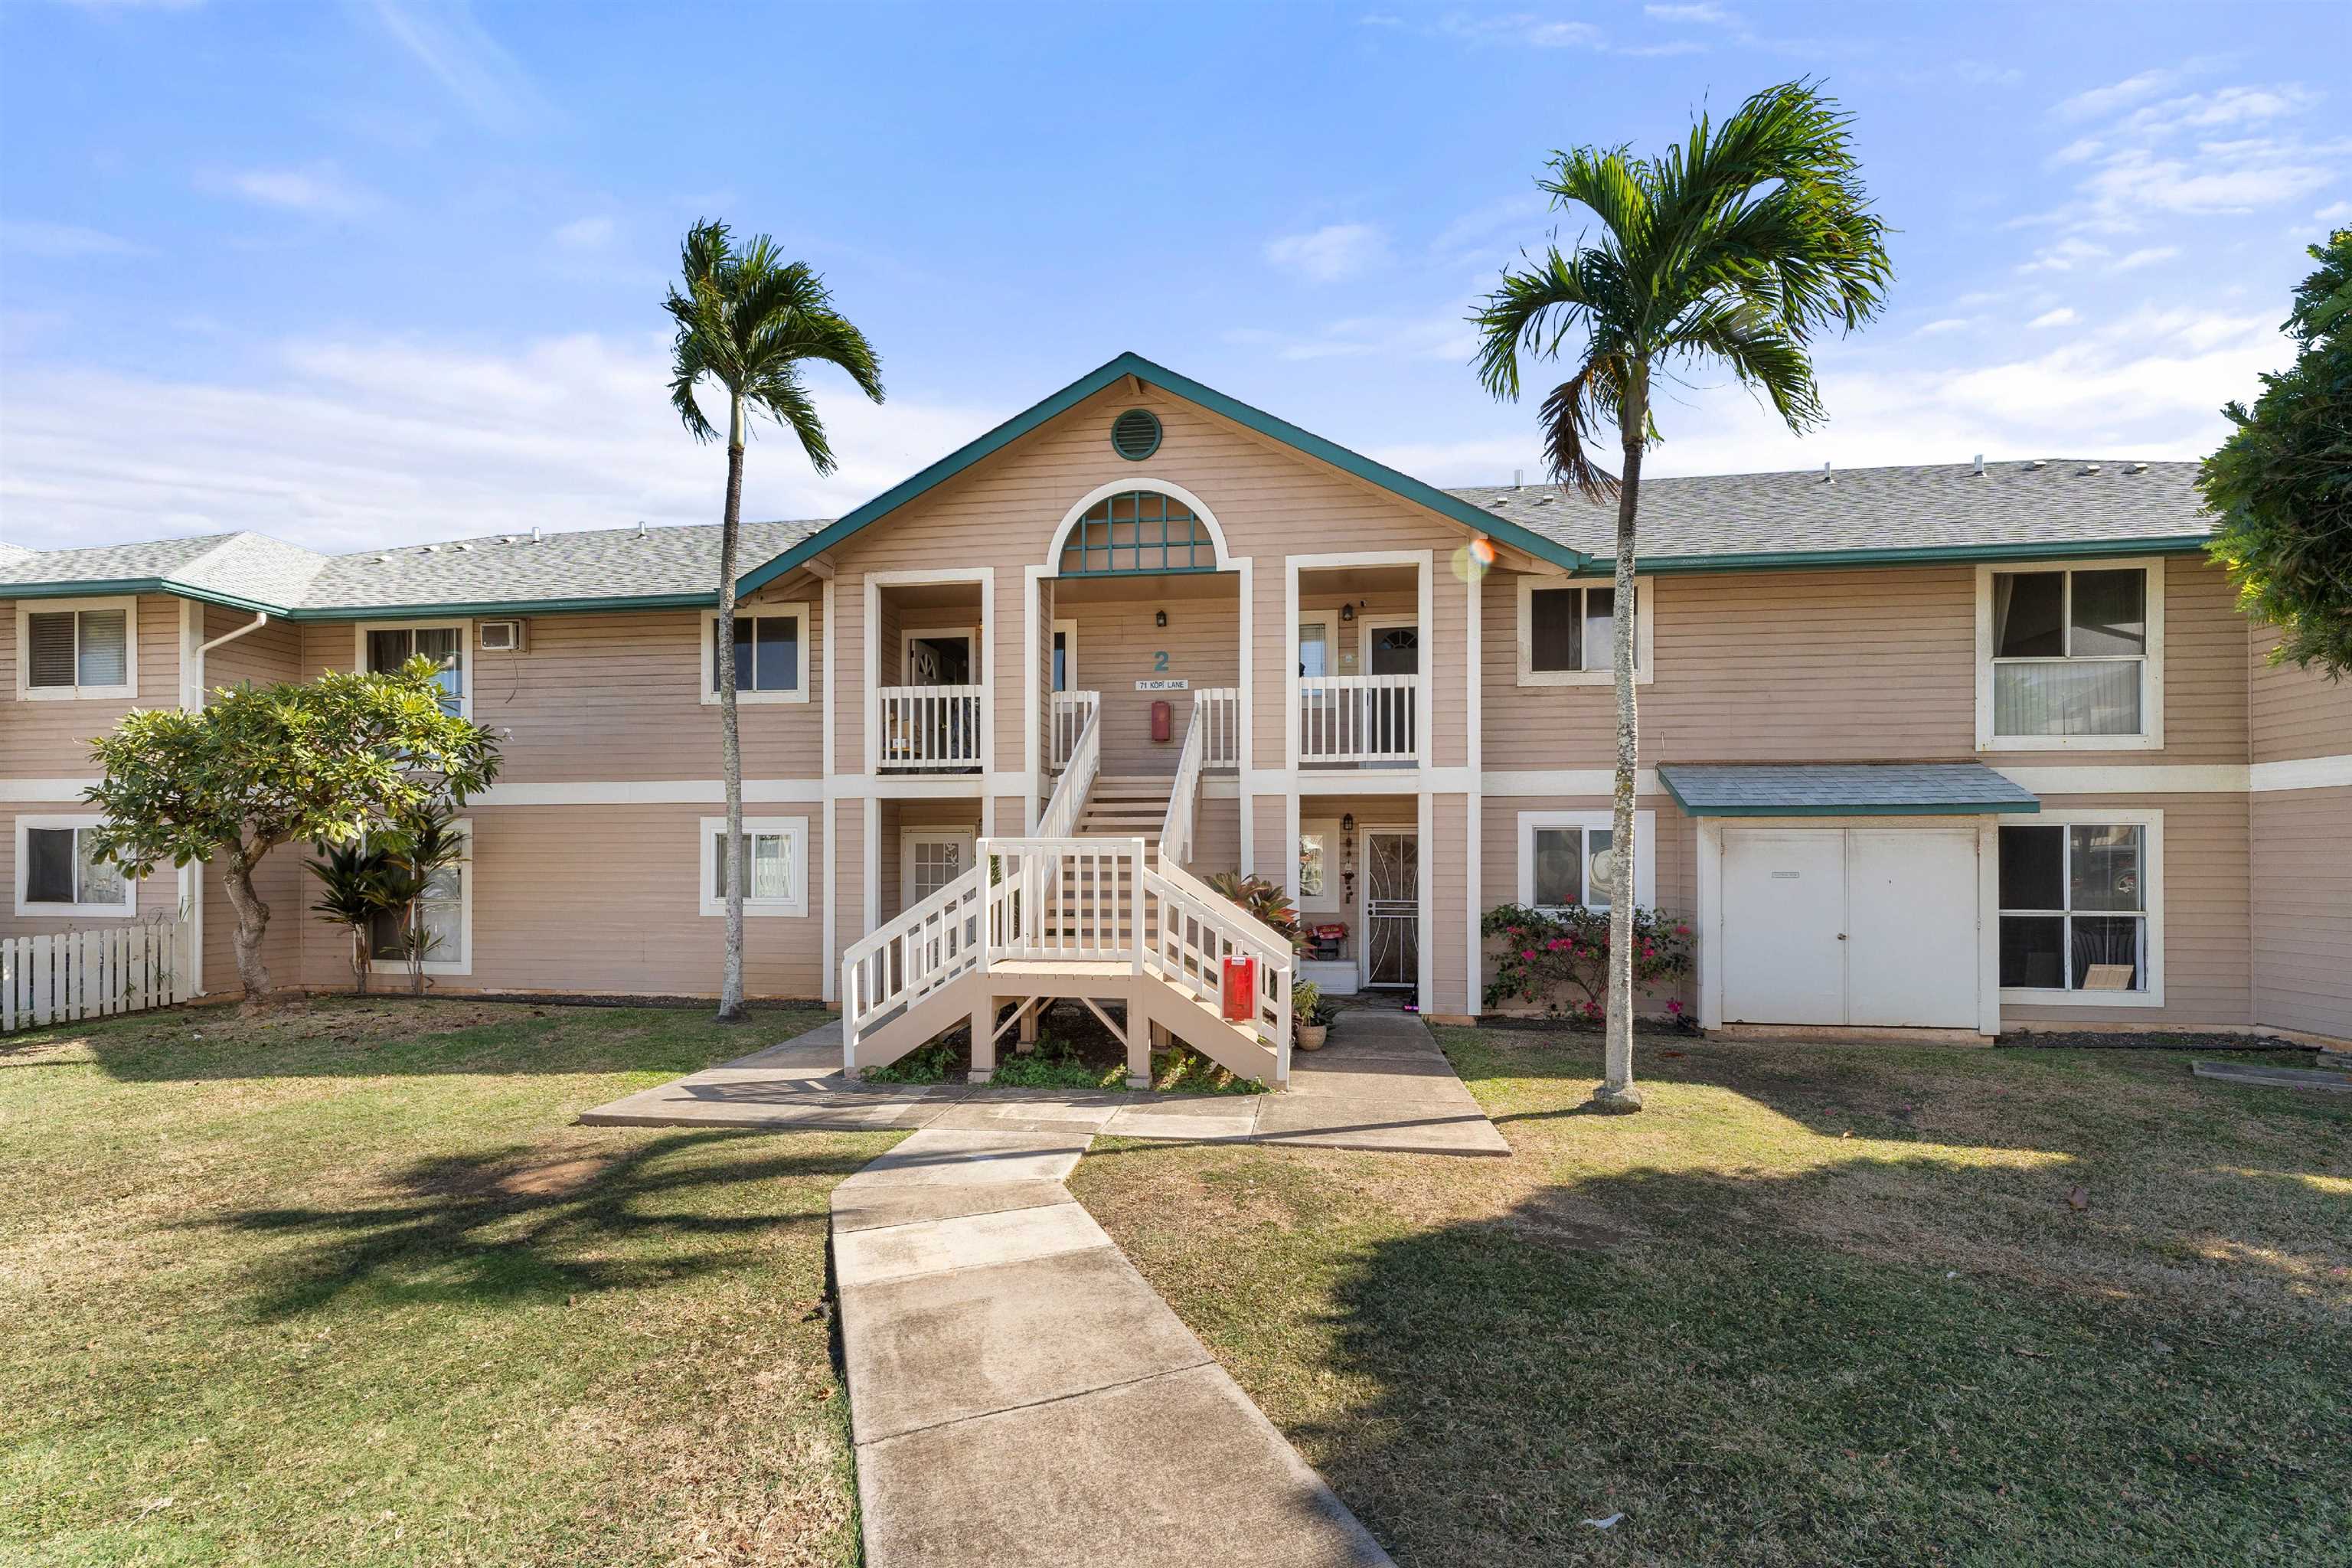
(1970, 747)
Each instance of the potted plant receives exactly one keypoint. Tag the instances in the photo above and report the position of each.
(1306, 1015)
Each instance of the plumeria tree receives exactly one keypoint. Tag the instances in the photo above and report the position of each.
(330, 762)
(1735, 250)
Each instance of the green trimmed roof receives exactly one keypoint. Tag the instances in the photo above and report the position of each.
(1841, 789)
(1445, 503)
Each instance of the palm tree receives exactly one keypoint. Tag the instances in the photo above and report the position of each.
(1734, 248)
(749, 320)
(354, 888)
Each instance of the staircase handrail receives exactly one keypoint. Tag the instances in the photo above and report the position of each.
(1184, 795)
(1199, 967)
(1060, 818)
(934, 941)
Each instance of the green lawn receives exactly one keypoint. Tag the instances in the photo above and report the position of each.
(1815, 1305)
(348, 1286)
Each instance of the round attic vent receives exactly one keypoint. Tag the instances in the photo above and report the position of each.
(1134, 435)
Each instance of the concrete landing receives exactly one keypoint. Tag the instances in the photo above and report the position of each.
(1018, 1392)
(1380, 1084)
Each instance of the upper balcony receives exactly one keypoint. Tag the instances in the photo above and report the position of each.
(930, 704)
(1360, 682)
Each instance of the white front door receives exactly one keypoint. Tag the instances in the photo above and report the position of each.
(1784, 945)
(1911, 913)
(928, 859)
(1850, 926)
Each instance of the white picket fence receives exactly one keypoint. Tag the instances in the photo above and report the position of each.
(94, 973)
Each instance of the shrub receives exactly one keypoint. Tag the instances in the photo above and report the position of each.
(1548, 952)
(1264, 899)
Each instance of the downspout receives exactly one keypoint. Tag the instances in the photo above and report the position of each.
(192, 698)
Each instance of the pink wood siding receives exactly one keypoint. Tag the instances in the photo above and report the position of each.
(51, 738)
(2302, 910)
(1117, 642)
(617, 696)
(266, 657)
(2294, 713)
(1840, 665)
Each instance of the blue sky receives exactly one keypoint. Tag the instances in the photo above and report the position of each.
(391, 271)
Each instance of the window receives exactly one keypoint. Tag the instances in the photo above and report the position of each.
(388, 648)
(771, 654)
(444, 919)
(56, 874)
(1314, 648)
(1566, 858)
(1566, 633)
(1138, 531)
(80, 647)
(1066, 656)
(2080, 917)
(1314, 881)
(2071, 657)
(773, 865)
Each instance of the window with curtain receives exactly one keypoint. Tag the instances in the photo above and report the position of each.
(84, 652)
(767, 653)
(2074, 908)
(1571, 630)
(772, 864)
(61, 875)
(389, 648)
(1572, 865)
(2069, 653)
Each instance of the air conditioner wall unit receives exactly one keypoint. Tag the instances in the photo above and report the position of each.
(502, 636)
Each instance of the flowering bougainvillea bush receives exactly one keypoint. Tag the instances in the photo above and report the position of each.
(1559, 958)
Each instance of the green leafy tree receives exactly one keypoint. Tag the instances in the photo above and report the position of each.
(2283, 480)
(1735, 248)
(749, 321)
(328, 761)
(352, 891)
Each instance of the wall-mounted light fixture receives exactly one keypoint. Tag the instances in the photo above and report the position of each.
(1160, 617)
(1347, 612)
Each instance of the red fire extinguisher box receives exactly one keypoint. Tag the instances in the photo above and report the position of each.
(1240, 988)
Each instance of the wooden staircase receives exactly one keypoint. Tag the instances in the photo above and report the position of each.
(1128, 806)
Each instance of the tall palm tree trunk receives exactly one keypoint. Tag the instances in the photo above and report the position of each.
(1617, 1091)
(730, 749)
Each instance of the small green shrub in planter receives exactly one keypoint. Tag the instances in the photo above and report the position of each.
(1309, 1015)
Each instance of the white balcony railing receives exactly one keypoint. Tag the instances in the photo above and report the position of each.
(1359, 718)
(930, 726)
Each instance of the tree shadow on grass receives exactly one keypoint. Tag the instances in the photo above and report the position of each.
(395, 1037)
(538, 1224)
(1747, 1392)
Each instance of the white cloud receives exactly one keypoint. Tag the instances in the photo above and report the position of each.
(1947, 324)
(2230, 106)
(2146, 255)
(348, 445)
(2226, 177)
(61, 241)
(1702, 11)
(2061, 317)
(2064, 257)
(2101, 100)
(465, 60)
(318, 188)
(1331, 253)
(2335, 211)
(584, 233)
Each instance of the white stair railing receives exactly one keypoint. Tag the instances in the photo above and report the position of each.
(908, 957)
(930, 726)
(1060, 819)
(1195, 928)
(1069, 899)
(1072, 712)
(1217, 709)
(1359, 718)
(1184, 795)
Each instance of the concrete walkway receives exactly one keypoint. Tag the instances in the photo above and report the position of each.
(1019, 1397)
(1018, 1393)
(1382, 1083)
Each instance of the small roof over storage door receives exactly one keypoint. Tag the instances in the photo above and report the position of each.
(1843, 789)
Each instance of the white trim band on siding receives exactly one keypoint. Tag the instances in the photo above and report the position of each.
(2301, 772)
(42, 792)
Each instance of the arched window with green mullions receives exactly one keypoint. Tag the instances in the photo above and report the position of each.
(1134, 531)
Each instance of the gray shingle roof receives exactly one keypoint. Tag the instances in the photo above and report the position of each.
(1686, 522)
(1846, 789)
(2054, 502)
(661, 565)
